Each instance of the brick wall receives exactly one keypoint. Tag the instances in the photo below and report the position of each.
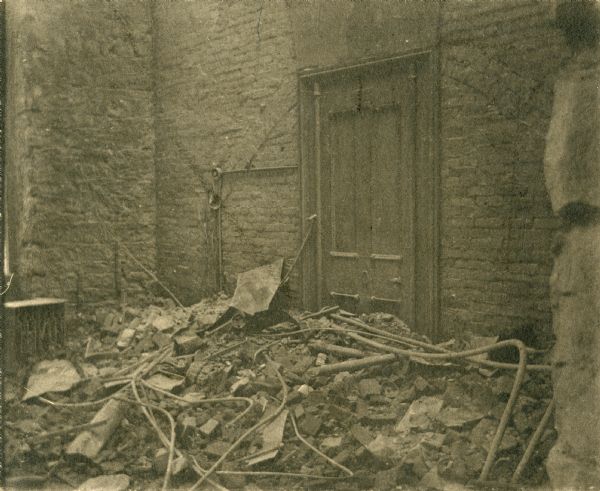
(79, 145)
(227, 79)
(2, 147)
(498, 64)
(226, 94)
(131, 90)
(260, 223)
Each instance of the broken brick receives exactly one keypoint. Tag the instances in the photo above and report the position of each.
(188, 426)
(311, 424)
(343, 457)
(160, 461)
(331, 442)
(304, 390)
(361, 435)
(380, 419)
(125, 338)
(457, 418)
(216, 449)
(369, 387)
(187, 344)
(421, 385)
(161, 339)
(362, 409)
(208, 428)
(385, 480)
(239, 385)
(163, 323)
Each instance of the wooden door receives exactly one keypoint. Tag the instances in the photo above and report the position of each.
(370, 162)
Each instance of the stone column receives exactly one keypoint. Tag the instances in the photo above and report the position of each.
(572, 171)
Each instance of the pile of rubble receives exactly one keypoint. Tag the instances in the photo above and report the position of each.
(208, 397)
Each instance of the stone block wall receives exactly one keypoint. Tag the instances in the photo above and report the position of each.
(80, 146)
(572, 173)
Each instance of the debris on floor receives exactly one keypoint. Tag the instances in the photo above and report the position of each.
(158, 397)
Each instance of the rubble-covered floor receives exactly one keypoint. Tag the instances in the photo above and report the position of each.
(402, 423)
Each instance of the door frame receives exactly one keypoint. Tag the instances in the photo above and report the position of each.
(427, 198)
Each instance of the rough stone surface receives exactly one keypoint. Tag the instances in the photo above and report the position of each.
(114, 482)
(80, 146)
(2, 112)
(575, 460)
(573, 143)
(572, 170)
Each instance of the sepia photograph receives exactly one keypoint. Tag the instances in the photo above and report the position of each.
(300, 245)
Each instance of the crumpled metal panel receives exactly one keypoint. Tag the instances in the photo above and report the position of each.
(256, 288)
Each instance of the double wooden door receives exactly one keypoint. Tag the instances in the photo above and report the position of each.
(370, 133)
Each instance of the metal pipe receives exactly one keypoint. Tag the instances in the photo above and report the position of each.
(301, 250)
(219, 249)
(117, 273)
(519, 377)
(328, 71)
(216, 204)
(319, 268)
(259, 169)
(302, 164)
(433, 347)
(325, 311)
(533, 442)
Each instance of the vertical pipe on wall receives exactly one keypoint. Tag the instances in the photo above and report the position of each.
(215, 204)
(219, 250)
(78, 301)
(413, 89)
(117, 272)
(317, 94)
(302, 202)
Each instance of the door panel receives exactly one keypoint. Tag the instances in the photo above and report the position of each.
(392, 252)
(386, 197)
(342, 182)
(342, 202)
(364, 169)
